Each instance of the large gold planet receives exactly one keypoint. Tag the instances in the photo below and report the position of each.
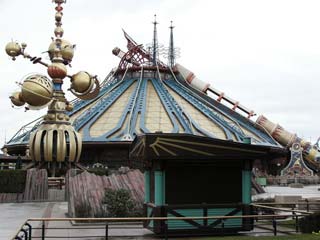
(37, 90)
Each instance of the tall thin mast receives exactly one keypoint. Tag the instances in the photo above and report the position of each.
(155, 42)
(171, 53)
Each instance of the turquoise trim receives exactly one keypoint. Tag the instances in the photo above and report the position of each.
(180, 224)
(246, 187)
(228, 223)
(164, 186)
(149, 210)
(246, 140)
(147, 186)
(159, 189)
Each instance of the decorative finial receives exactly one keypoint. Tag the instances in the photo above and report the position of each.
(155, 42)
(55, 140)
(171, 53)
(155, 20)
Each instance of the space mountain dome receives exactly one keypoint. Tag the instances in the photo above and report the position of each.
(144, 95)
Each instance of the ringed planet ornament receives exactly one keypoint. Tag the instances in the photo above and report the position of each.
(81, 82)
(13, 49)
(16, 99)
(37, 90)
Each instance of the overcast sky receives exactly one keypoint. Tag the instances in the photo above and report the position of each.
(266, 54)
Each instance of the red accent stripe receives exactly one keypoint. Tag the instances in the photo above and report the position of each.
(190, 77)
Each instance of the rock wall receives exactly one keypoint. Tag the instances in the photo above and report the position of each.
(36, 188)
(286, 180)
(85, 191)
(36, 185)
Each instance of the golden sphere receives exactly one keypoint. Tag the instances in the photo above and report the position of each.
(57, 70)
(16, 99)
(37, 90)
(51, 116)
(67, 50)
(13, 49)
(69, 107)
(58, 31)
(58, 16)
(60, 116)
(81, 82)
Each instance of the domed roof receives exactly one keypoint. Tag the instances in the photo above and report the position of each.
(139, 97)
(145, 101)
(149, 101)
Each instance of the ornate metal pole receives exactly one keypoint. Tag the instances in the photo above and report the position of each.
(55, 140)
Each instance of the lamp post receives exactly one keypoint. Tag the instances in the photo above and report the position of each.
(55, 141)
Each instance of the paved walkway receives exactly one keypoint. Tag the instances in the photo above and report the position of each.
(89, 230)
(13, 215)
(310, 191)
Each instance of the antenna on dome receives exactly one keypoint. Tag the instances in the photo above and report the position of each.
(171, 52)
(155, 41)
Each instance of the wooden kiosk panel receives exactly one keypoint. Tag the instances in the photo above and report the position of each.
(192, 176)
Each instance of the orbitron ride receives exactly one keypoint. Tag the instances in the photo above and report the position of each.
(55, 141)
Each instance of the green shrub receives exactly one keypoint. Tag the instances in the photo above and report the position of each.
(119, 203)
(99, 171)
(261, 202)
(96, 171)
(12, 181)
(310, 223)
(264, 200)
(82, 210)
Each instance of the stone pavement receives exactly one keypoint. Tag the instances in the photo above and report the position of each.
(13, 215)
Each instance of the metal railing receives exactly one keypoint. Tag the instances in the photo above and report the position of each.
(310, 206)
(57, 182)
(27, 231)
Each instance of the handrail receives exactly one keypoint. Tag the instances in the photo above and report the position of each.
(22, 229)
(304, 202)
(281, 209)
(110, 219)
(56, 178)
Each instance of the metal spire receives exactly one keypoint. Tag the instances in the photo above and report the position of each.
(155, 42)
(171, 53)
